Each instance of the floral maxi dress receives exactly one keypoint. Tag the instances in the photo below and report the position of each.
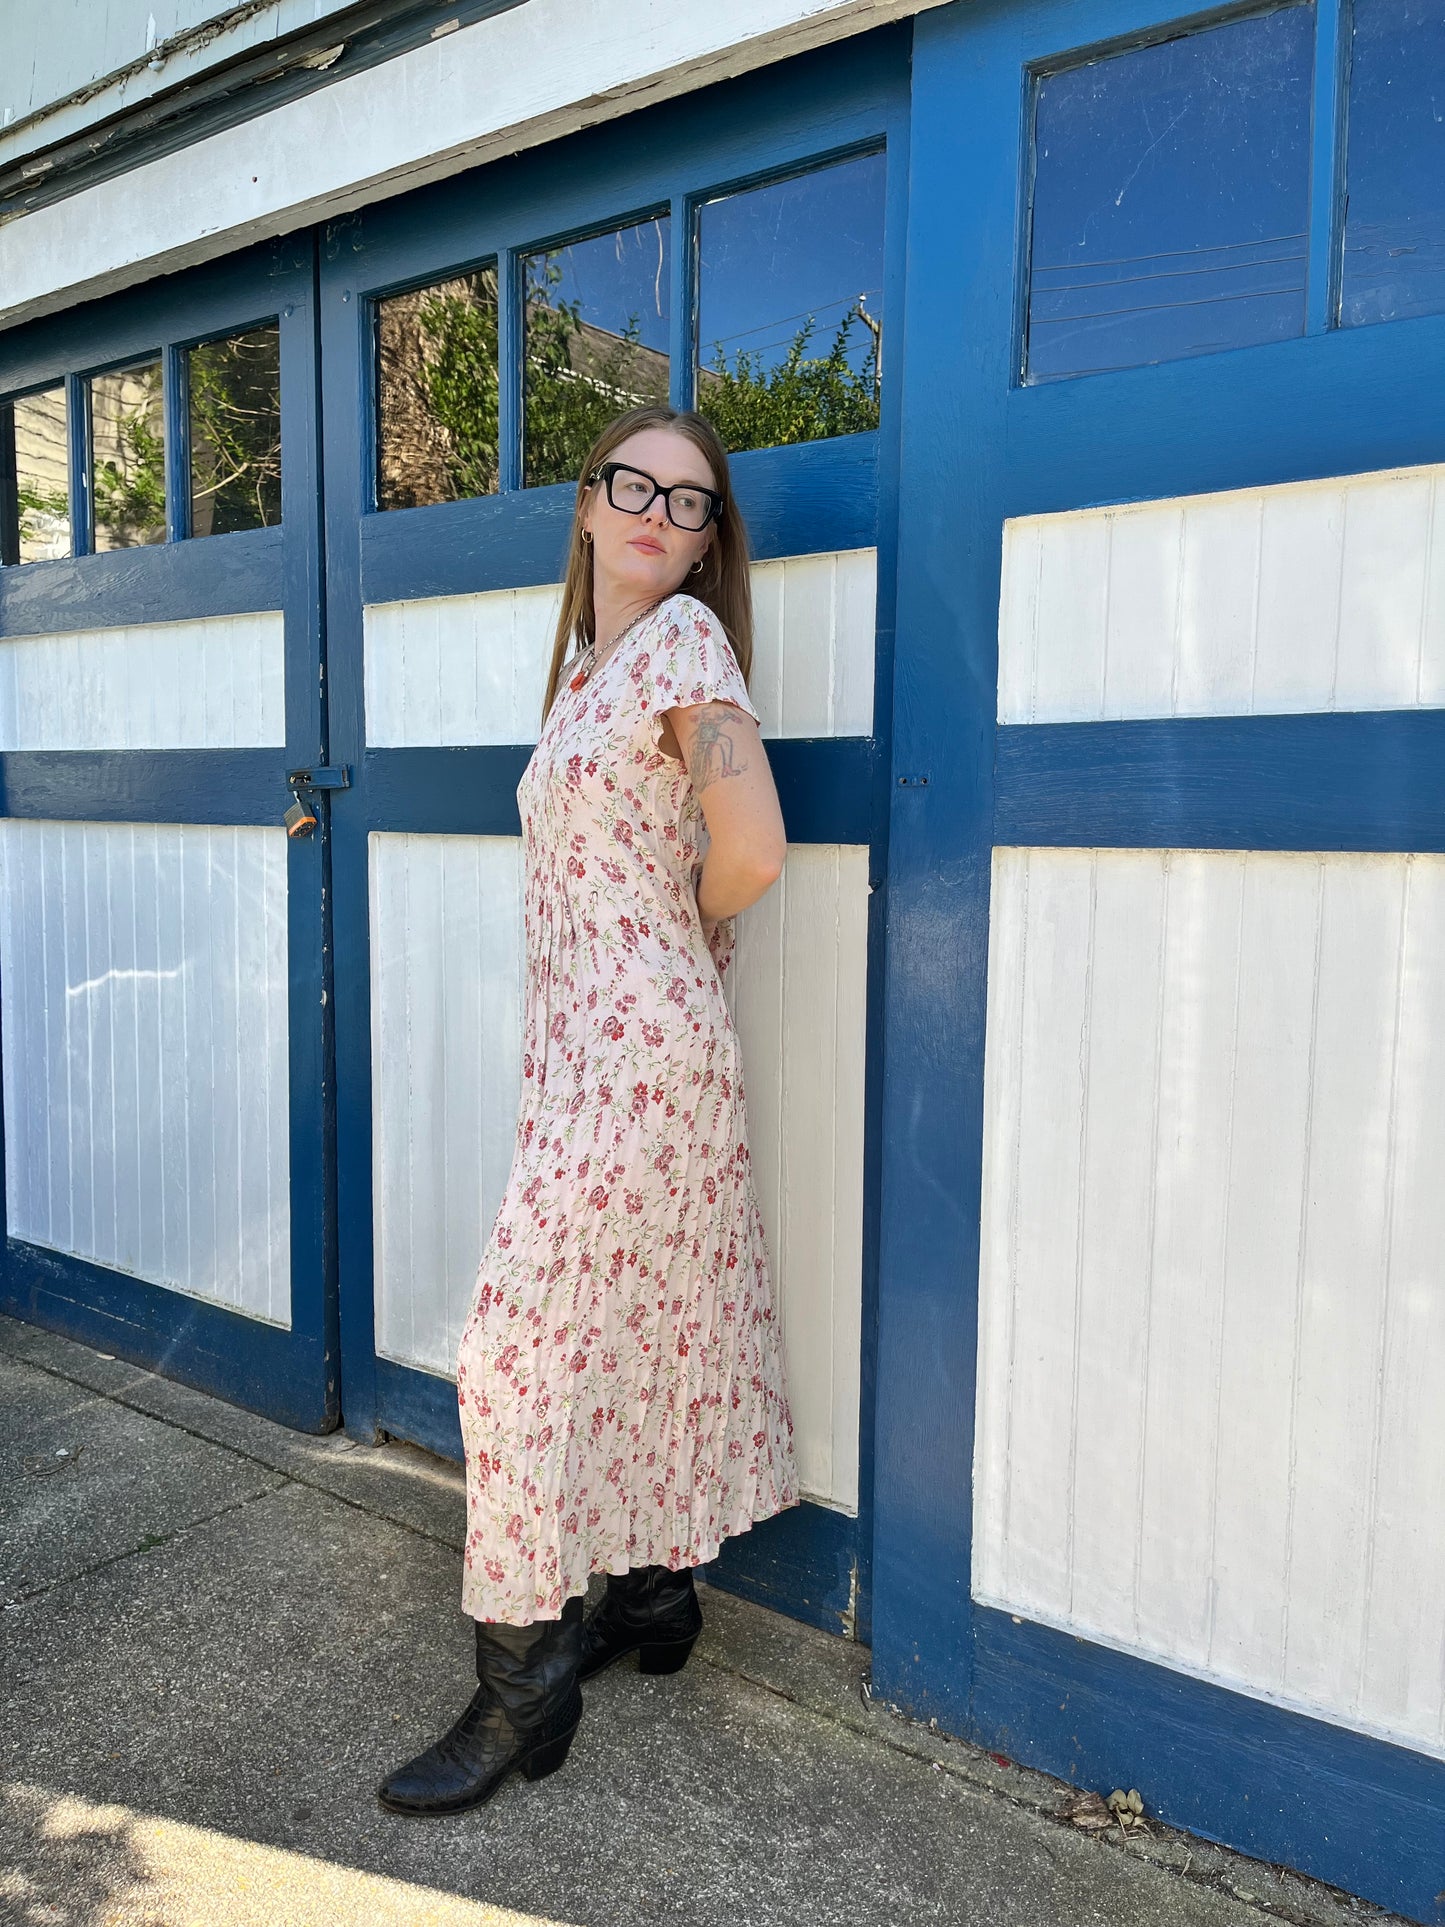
(620, 1374)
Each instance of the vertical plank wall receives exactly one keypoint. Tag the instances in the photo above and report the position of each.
(143, 976)
(446, 1001)
(1212, 1341)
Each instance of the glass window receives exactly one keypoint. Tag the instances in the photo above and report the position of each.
(1171, 193)
(437, 374)
(1395, 226)
(234, 391)
(596, 341)
(36, 483)
(128, 457)
(790, 298)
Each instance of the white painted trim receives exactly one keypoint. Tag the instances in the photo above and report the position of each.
(68, 70)
(501, 85)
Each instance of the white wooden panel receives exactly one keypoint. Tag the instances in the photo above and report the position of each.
(814, 635)
(459, 669)
(447, 950)
(147, 1120)
(1300, 597)
(214, 683)
(1212, 1306)
(798, 989)
(471, 669)
(446, 1032)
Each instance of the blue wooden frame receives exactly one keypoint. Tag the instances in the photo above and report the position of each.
(836, 494)
(291, 1374)
(977, 447)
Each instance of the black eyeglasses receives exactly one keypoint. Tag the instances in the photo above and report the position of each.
(689, 506)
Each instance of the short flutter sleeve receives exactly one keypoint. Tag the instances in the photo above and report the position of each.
(691, 661)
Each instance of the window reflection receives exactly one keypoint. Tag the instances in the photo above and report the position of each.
(790, 334)
(127, 450)
(596, 342)
(36, 482)
(437, 371)
(1395, 228)
(1171, 189)
(235, 432)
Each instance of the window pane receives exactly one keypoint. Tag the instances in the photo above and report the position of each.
(40, 531)
(437, 362)
(235, 416)
(596, 323)
(790, 332)
(1170, 198)
(127, 448)
(1395, 228)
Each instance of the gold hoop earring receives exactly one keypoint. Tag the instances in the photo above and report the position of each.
(696, 568)
(586, 535)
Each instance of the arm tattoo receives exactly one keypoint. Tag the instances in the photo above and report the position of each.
(714, 753)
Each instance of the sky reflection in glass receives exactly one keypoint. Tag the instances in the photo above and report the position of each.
(1170, 200)
(1395, 227)
(773, 256)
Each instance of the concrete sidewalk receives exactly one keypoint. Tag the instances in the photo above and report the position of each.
(218, 1636)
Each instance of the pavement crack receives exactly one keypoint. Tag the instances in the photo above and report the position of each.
(150, 1542)
(284, 1472)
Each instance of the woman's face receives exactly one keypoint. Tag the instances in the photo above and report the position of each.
(646, 555)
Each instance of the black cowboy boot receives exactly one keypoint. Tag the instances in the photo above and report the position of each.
(522, 1715)
(650, 1611)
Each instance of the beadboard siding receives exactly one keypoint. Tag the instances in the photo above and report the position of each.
(446, 937)
(1304, 596)
(814, 643)
(214, 683)
(798, 992)
(1212, 1293)
(446, 1055)
(470, 669)
(145, 1052)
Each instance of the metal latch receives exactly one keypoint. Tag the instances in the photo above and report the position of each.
(300, 818)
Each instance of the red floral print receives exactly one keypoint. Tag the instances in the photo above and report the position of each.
(647, 1419)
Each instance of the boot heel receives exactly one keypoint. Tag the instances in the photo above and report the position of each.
(546, 1759)
(670, 1658)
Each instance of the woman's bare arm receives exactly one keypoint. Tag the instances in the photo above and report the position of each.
(728, 765)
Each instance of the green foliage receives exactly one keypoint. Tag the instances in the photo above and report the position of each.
(459, 376)
(802, 399)
(42, 501)
(130, 494)
(235, 414)
(579, 378)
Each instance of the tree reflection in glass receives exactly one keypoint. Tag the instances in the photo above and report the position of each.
(235, 432)
(790, 332)
(437, 377)
(128, 457)
(596, 341)
(36, 485)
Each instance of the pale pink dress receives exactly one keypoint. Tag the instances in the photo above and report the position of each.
(620, 1375)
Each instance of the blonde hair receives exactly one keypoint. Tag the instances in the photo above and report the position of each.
(723, 582)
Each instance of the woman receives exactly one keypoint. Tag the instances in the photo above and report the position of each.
(620, 1376)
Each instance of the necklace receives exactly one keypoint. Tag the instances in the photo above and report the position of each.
(589, 663)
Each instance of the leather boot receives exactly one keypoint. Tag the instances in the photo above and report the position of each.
(650, 1611)
(523, 1714)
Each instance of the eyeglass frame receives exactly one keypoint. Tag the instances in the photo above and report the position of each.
(606, 470)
